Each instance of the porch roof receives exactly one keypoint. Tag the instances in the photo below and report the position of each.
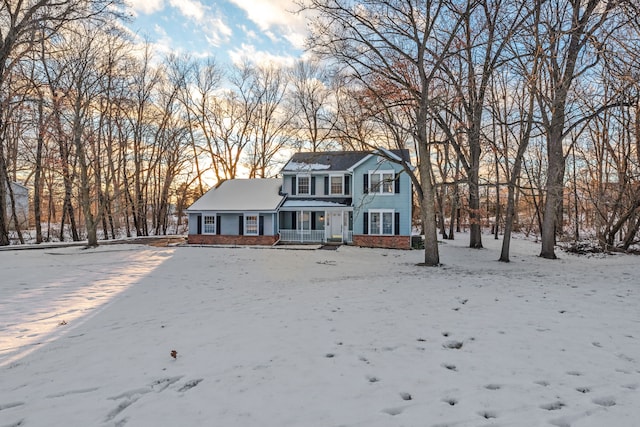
(322, 204)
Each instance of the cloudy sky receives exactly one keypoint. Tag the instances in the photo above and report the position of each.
(225, 29)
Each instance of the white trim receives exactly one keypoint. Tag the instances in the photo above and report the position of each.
(336, 175)
(244, 224)
(381, 212)
(381, 186)
(204, 224)
(298, 176)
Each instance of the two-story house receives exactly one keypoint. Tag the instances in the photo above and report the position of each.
(357, 197)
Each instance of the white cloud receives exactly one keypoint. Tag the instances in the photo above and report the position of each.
(190, 8)
(247, 52)
(267, 13)
(296, 39)
(145, 6)
(216, 31)
(250, 34)
(270, 14)
(205, 20)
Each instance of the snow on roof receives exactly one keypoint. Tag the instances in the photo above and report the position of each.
(240, 195)
(296, 166)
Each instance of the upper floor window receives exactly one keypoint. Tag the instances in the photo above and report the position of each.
(337, 184)
(381, 182)
(304, 184)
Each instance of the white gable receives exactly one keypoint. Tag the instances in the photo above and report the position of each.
(240, 195)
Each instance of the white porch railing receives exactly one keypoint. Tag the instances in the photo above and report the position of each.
(302, 236)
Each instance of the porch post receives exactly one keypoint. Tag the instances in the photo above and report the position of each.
(324, 224)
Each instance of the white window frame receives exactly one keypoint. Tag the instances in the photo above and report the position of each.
(246, 228)
(380, 230)
(381, 174)
(206, 226)
(298, 185)
(331, 193)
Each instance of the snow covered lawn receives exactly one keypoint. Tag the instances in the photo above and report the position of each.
(353, 337)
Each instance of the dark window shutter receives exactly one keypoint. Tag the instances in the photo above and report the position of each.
(240, 225)
(199, 221)
(313, 220)
(365, 187)
(365, 229)
(326, 185)
(218, 224)
(313, 185)
(347, 184)
(261, 225)
(293, 185)
(294, 221)
(397, 223)
(397, 184)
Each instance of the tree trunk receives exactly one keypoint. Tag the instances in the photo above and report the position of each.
(428, 208)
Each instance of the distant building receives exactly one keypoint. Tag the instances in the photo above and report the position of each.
(21, 198)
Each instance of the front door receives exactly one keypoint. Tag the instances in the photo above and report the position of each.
(335, 226)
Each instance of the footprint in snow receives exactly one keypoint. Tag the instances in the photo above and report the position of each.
(488, 414)
(604, 401)
(451, 401)
(453, 345)
(553, 406)
(393, 411)
(190, 384)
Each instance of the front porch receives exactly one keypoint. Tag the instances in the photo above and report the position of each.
(316, 226)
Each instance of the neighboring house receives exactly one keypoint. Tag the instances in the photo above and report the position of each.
(21, 198)
(356, 197)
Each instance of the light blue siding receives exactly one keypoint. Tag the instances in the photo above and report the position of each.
(362, 202)
(230, 223)
(193, 223)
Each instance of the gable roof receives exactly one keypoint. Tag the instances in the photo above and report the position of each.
(335, 160)
(240, 195)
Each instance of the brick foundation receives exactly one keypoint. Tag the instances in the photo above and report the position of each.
(216, 239)
(391, 242)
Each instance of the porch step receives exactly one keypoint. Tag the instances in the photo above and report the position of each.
(330, 246)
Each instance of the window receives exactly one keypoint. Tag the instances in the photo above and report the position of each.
(381, 182)
(336, 184)
(381, 222)
(251, 225)
(304, 185)
(304, 221)
(209, 224)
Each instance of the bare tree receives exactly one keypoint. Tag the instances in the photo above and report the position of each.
(571, 35)
(21, 24)
(270, 122)
(311, 99)
(392, 49)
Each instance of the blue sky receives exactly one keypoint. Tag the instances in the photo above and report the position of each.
(229, 30)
